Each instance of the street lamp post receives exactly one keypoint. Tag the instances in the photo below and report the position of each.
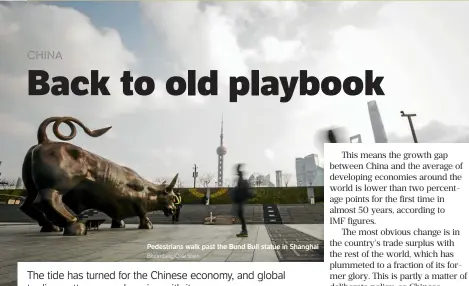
(1, 181)
(195, 174)
(412, 129)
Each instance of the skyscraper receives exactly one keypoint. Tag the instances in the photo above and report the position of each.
(221, 151)
(306, 170)
(376, 123)
(278, 178)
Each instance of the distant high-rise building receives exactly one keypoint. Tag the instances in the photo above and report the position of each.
(266, 181)
(260, 181)
(376, 123)
(278, 178)
(221, 152)
(306, 170)
(356, 139)
(319, 179)
(300, 171)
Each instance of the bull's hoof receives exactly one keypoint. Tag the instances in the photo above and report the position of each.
(118, 224)
(51, 228)
(75, 229)
(146, 225)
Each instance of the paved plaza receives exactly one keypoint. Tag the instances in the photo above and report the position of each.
(24, 242)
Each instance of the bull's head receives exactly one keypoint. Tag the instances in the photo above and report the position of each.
(163, 198)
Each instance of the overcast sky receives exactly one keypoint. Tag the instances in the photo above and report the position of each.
(421, 48)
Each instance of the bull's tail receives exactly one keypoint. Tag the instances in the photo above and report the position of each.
(70, 121)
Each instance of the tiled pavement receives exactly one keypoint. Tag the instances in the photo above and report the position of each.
(25, 243)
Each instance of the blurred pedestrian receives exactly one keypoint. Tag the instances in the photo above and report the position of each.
(241, 194)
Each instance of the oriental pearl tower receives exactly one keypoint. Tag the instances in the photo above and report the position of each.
(221, 151)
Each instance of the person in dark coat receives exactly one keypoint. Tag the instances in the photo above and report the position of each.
(331, 136)
(240, 195)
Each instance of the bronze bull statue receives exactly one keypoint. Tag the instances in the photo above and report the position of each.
(59, 174)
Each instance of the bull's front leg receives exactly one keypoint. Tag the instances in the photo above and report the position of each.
(50, 202)
(29, 209)
(32, 193)
(145, 222)
(117, 223)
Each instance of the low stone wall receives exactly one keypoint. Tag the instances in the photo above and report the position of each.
(196, 214)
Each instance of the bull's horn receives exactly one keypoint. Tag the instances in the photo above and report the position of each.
(172, 184)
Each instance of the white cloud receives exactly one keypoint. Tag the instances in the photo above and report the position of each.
(82, 46)
(285, 10)
(278, 52)
(269, 154)
(167, 155)
(347, 5)
(198, 39)
(173, 151)
(435, 132)
(12, 126)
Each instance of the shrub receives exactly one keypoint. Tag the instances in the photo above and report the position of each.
(5, 194)
(269, 195)
(319, 194)
(14, 192)
(192, 195)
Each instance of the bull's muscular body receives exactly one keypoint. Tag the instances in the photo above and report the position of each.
(59, 174)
